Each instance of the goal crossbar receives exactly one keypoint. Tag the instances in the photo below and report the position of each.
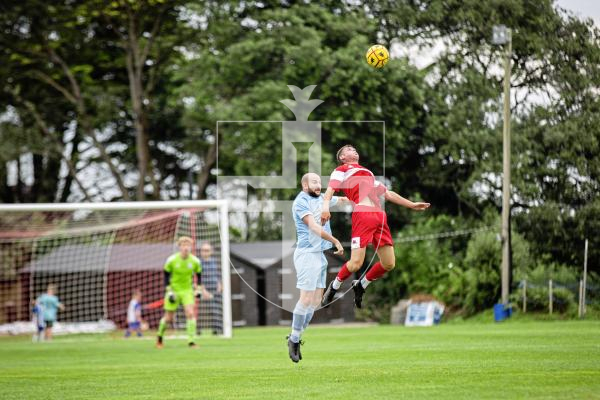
(123, 205)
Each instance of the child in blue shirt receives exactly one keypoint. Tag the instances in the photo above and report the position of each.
(37, 312)
(49, 306)
(134, 314)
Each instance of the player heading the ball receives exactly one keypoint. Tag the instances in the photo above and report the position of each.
(369, 221)
(309, 260)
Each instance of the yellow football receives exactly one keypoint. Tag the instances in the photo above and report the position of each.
(377, 56)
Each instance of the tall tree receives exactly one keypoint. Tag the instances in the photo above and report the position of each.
(555, 79)
(103, 59)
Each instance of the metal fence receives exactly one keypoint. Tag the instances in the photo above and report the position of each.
(556, 296)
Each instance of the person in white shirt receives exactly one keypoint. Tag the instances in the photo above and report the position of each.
(134, 314)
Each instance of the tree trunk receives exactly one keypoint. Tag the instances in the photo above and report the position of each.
(136, 57)
(37, 192)
(76, 98)
(19, 186)
(5, 189)
(71, 162)
(210, 160)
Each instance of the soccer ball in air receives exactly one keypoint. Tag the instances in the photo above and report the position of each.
(377, 56)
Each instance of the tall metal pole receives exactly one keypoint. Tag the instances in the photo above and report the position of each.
(506, 175)
(585, 259)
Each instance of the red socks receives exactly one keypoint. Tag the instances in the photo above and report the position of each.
(344, 273)
(376, 272)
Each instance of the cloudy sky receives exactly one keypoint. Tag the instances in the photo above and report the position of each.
(583, 8)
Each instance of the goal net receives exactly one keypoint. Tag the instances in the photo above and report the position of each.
(98, 254)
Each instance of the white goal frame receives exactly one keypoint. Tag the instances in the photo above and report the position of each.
(222, 207)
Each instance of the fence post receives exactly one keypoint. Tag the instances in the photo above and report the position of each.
(524, 296)
(581, 298)
(550, 296)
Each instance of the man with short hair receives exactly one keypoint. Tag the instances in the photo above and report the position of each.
(211, 280)
(180, 288)
(369, 222)
(309, 261)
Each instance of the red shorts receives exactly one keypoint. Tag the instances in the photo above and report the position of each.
(369, 226)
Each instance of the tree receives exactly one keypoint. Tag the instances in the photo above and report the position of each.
(101, 58)
(555, 77)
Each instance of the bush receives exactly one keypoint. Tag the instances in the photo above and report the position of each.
(545, 270)
(464, 272)
(421, 267)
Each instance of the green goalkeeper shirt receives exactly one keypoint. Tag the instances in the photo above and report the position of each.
(182, 271)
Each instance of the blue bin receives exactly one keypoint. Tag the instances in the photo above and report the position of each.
(501, 312)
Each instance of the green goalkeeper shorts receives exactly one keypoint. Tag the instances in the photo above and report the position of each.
(184, 298)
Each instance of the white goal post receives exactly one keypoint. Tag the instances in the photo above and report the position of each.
(106, 249)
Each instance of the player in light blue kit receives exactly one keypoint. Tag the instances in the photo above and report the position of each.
(49, 306)
(309, 260)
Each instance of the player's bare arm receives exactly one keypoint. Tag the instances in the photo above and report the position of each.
(325, 214)
(199, 289)
(316, 228)
(205, 293)
(401, 201)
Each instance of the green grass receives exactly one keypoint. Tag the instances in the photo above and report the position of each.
(471, 360)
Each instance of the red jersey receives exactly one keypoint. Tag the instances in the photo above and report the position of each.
(357, 182)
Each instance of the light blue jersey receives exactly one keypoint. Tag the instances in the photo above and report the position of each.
(305, 204)
(49, 305)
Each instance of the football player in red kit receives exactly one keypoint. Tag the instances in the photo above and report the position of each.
(369, 222)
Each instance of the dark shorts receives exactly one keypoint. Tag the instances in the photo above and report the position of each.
(49, 324)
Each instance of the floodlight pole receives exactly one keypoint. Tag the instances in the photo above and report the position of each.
(506, 173)
(503, 35)
(584, 283)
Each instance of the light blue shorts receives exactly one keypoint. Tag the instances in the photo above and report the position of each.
(311, 269)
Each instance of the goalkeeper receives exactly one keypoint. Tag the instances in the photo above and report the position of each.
(181, 289)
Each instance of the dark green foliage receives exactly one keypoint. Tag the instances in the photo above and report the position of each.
(464, 272)
(233, 60)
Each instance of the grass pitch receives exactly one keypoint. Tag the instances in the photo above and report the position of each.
(468, 360)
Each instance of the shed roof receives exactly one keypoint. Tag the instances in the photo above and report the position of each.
(263, 254)
(100, 257)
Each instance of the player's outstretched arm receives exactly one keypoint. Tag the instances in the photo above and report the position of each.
(401, 201)
(316, 228)
(325, 214)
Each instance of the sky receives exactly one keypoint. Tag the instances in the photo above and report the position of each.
(583, 8)
(423, 57)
